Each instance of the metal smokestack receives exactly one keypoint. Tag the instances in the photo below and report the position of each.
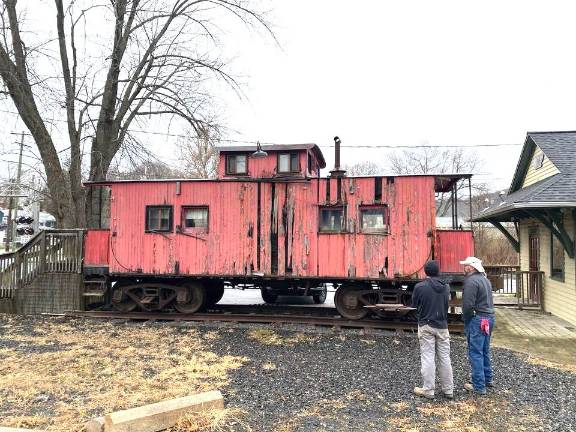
(337, 172)
(337, 154)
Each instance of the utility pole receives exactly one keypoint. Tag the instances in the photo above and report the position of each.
(13, 202)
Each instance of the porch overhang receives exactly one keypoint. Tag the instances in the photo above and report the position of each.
(515, 211)
(547, 213)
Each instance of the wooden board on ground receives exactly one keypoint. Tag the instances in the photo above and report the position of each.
(161, 415)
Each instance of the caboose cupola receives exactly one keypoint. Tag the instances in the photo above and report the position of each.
(271, 161)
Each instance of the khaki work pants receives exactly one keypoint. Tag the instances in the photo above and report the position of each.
(435, 350)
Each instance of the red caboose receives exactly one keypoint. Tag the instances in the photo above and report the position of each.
(270, 221)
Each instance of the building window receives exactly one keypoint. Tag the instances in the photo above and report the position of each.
(556, 258)
(195, 219)
(538, 161)
(331, 219)
(159, 218)
(236, 164)
(374, 219)
(288, 162)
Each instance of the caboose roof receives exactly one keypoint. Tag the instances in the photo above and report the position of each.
(442, 182)
(278, 148)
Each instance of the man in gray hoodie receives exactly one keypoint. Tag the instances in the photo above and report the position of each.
(478, 316)
(430, 298)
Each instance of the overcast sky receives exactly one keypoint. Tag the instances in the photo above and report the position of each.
(401, 73)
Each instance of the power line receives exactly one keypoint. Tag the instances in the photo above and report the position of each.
(376, 146)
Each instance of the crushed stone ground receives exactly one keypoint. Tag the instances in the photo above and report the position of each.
(56, 372)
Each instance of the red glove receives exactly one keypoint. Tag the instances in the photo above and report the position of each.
(485, 326)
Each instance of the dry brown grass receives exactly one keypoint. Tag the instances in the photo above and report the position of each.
(58, 376)
(270, 337)
(268, 366)
(473, 415)
(221, 420)
(554, 365)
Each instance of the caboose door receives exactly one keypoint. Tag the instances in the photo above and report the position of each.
(282, 211)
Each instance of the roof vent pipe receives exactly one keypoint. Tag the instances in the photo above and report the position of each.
(337, 172)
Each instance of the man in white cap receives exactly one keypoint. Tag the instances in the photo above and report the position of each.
(478, 316)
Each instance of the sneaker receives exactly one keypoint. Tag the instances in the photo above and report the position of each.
(419, 391)
(448, 395)
(469, 387)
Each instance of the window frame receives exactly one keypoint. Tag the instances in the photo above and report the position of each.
(170, 219)
(290, 155)
(228, 164)
(186, 229)
(342, 224)
(559, 276)
(386, 217)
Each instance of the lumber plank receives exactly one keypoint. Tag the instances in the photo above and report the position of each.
(161, 415)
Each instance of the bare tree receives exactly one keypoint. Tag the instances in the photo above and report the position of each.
(149, 169)
(428, 160)
(364, 168)
(156, 58)
(199, 155)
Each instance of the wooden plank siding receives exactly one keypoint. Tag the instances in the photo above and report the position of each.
(242, 241)
(451, 247)
(534, 175)
(559, 296)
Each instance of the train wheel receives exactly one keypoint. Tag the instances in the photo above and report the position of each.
(267, 296)
(120, 301)
(320, 298)
(125, 306)
(214, 293)
(348, 303)
(194, 297)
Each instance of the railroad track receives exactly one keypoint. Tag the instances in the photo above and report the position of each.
(253, 317)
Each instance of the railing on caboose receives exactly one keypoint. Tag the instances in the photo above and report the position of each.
(50, 251)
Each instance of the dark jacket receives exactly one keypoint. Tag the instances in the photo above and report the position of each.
(477, 296)
(430, 298)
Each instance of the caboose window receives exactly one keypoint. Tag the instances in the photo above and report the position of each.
(159, 218)
(236, 164)
(195, 217)
(331, 219)
(374, 219)
(288, 162)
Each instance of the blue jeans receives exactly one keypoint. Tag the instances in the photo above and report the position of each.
(479, 352)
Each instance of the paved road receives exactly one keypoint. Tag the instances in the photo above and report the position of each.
(252, 297)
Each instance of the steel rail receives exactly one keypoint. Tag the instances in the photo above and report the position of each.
(261, 318)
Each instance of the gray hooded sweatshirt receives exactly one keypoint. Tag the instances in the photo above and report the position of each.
(430, 298)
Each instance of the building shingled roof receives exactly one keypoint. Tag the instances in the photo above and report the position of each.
(559, 189)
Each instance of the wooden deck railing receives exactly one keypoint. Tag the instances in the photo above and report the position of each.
(528, 287)
(50, 251)
(502, 283)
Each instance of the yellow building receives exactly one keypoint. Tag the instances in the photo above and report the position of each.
(542, 204)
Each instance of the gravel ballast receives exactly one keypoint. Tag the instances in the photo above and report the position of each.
(309, 379)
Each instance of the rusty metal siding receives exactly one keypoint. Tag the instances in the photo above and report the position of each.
(96, 247)
(282, 219)
(451, 247)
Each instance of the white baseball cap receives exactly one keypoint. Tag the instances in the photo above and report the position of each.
(474, 262)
